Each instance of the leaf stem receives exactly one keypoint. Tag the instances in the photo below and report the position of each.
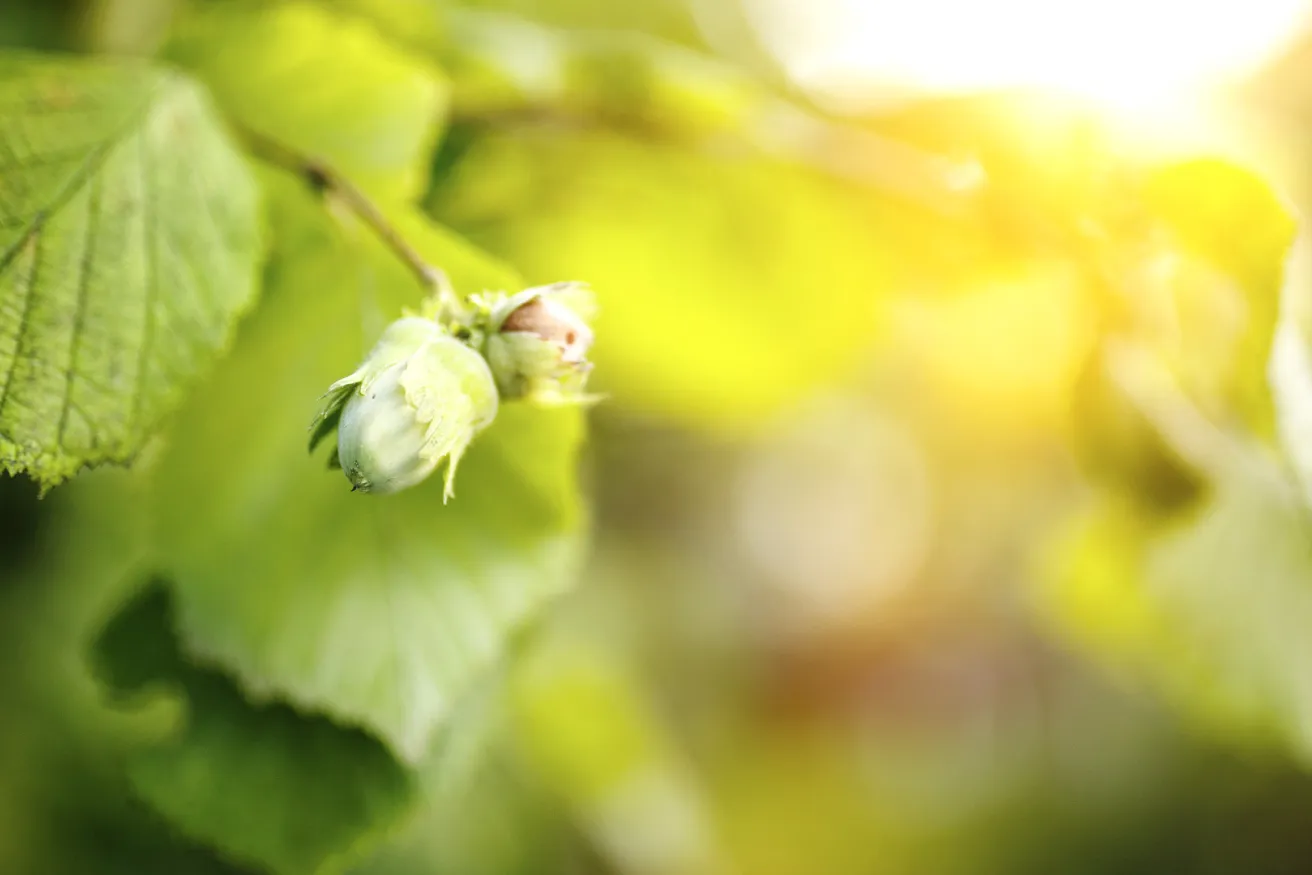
(323, 177)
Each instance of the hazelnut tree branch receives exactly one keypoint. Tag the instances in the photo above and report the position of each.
(324, 178)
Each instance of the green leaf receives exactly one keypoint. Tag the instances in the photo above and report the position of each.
(1211, 604)
(325, 85)
(377, 610)
(260, 781)
(421, 25)
(128, 243)
(1226, 214)
(1235, 577)
(1198, 287)
(1229, 218)
(1212, 609)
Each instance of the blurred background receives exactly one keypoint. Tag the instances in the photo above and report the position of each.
(920, 322)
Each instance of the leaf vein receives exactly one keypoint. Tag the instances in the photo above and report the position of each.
(42, 159)
(150, 253)
(32, 238)
(79, 313)
(94, 161)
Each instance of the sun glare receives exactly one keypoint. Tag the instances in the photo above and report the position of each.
(1124, 54)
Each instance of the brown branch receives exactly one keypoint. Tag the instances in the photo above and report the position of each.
(323, 177)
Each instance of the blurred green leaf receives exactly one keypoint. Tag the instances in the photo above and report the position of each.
(1236, 578)
(1212, 608)
(1120, 449)
(326, 85)
(420, 25)
(1209, 599)
(1194, 280)
(1210, 602)
(1097, 598)
(376, 610)
(727, 288)
(128, 242)
(1226, 214)
(262, 782)
(668, 19)
(1230, 218)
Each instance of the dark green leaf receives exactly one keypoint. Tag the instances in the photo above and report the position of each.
(265, 784)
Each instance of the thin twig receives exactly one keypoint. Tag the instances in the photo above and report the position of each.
(323, 177)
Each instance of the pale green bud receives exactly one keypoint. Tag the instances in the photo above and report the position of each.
(538, 343)
(418, 399)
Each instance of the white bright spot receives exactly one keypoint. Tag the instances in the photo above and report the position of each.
(834, 513)
(1126, 54)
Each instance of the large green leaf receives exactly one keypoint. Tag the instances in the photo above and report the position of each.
(262, 782)
(128, 242)
(1193, 280)
(326, 85)
(377, 610)
(1208, 600)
